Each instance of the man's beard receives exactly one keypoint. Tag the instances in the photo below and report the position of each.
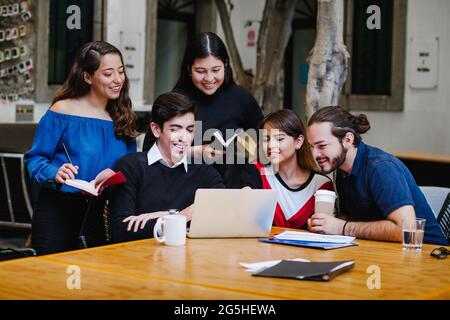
(337, 161)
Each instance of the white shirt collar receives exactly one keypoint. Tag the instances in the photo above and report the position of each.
(154, 155)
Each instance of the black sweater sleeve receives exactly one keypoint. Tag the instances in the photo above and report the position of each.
(251, 177)
(123, 202)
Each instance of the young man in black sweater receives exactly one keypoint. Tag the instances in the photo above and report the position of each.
(160, 179)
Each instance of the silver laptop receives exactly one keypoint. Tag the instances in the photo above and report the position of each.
(232, 213)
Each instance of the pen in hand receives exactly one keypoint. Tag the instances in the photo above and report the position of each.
(70, 160)
(67, 154)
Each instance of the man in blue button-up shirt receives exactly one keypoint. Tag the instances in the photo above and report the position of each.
(376, 191)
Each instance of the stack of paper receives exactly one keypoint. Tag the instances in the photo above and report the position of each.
(313, 237)
(311, 240)
(219, 137)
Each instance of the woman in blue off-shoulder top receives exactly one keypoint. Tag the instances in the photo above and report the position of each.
(91, 116)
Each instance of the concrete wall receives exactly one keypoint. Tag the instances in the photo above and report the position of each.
(424, 124)
(7, 110)
(123, 17)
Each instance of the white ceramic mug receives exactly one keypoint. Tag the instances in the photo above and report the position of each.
(173, 229)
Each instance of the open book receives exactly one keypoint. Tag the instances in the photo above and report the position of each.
(246, 142)
(219, 137)
(95, 187)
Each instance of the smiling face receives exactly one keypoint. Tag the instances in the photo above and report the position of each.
(327, 150)
(175, 137)
(208, 74)
(278, 146)
(108, 79)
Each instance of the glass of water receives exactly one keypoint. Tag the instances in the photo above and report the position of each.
(413, 231)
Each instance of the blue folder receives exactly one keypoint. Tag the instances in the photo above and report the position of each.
(309, 244)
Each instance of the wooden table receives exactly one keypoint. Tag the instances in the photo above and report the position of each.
(209, 269)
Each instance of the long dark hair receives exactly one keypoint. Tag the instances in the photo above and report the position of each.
(290, 123)
(88, 60)
(203, 45)
(342, 122)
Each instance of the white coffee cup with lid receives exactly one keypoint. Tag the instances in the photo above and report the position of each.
(324, 201)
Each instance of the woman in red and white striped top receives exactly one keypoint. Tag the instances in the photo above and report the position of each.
(291, 169)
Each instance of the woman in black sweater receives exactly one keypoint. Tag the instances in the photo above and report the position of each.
(206, 77)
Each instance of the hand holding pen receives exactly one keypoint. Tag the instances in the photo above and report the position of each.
(67, 170)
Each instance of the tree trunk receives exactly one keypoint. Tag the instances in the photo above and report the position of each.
(273, 38)
(274, 34)
(239, 72)
(328, 60)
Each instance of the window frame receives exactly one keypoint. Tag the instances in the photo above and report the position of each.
(44, 92)
(394, 101)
